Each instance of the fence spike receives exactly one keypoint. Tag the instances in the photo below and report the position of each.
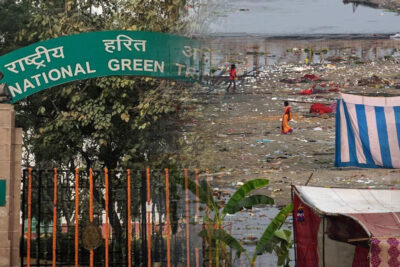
(55, 218)
(128, 184)
(106, 208)
(76, 217)
(168, 219)
(28, 245)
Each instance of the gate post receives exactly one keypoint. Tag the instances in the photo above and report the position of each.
(10, 177)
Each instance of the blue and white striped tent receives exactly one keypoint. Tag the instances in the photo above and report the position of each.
(367, 131)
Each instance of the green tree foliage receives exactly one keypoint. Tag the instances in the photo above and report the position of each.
(104, 122)
(13, 16)
(54, 18)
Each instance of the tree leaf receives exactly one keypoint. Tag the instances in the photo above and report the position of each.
(274, 225)
(222, 235)
(283, 234)
(243, 191)
(249, 202)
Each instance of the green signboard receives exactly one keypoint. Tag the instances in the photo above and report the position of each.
(2, 193)
(97, 54)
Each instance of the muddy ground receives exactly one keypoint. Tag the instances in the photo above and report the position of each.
(240, 133)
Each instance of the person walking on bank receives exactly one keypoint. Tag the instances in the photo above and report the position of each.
(287, 116)
(232, 78)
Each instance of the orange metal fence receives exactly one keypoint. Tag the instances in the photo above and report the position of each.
(101, 198)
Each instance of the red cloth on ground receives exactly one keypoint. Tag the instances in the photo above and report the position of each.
(317, 89)
(306, 235)
(306, 92)
(320, 108)
(311, 77)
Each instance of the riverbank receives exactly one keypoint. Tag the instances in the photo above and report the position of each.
(241, 132)
(386, 4)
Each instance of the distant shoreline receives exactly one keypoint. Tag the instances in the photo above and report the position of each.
(378, 36)
(388, 4)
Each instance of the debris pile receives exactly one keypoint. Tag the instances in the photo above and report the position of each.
(373, 81)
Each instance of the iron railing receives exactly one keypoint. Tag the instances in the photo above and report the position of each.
(145, 218)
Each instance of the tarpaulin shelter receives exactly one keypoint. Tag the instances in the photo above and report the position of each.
(337, 227)
(367, 131)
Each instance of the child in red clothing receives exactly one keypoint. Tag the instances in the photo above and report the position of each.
(232, 78)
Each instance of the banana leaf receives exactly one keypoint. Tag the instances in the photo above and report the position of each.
(283, 234)
(222, 235)
(274, 225)
(242, 192)
(249, 202)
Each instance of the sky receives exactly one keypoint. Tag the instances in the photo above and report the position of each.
(288, 17)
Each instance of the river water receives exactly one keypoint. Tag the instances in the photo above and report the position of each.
(298, 17)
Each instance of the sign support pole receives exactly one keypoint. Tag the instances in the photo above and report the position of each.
(10, 173)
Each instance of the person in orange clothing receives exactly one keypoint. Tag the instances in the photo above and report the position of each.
(287, 116)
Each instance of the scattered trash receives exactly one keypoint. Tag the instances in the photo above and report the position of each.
(242, 131)
(374, 80)
(304, 79)
(264, 140)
